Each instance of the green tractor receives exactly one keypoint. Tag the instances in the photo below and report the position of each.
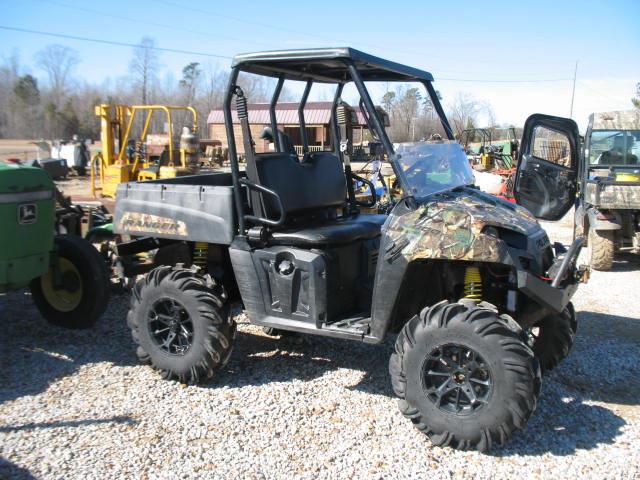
(67, 276)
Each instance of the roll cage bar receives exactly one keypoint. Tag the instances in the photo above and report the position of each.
(337, 66)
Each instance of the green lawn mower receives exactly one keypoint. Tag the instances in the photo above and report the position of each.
(67, 276)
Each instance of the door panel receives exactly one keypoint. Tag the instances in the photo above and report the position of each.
(547, 166)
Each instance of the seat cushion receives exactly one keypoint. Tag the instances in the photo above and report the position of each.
(330, 233)
(317, 183)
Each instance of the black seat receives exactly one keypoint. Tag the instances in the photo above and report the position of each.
(307, 189)
(316, 184)
(335, 232)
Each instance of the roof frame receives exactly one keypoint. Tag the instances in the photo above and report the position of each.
(327, 65)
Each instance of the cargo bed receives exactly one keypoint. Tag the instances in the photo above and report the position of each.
(196, 207)
(613, 195)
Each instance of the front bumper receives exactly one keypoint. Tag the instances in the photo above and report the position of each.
(556, 294)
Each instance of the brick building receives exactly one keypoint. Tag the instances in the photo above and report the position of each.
(317, 117)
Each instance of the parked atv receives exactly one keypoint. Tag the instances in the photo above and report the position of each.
(470, 283)
(608, 206)
(68, 279)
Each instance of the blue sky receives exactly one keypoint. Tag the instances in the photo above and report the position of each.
(471, 47)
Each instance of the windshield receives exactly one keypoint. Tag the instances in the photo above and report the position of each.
(614, 147)
(433, 167)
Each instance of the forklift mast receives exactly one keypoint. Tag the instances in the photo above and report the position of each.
(113, 165)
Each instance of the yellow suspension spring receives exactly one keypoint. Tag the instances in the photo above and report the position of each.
(200, 254)
(472, 284)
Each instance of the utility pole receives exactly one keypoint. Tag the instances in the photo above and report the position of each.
(573, 92)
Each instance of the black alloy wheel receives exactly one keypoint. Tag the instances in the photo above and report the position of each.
(457, 379)
(171, 326)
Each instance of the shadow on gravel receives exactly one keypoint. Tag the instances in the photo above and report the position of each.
(562, 426)
(67, 424)
(626, 262)
(258, 360)
(605, 359)
(13, 471)
(600, 368)
(33, 353)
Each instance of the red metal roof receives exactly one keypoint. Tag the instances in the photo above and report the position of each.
(315, 113)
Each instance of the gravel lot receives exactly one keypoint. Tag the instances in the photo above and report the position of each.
(77, 404)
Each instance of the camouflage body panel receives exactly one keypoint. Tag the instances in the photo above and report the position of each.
(449, 226)
(613, 196)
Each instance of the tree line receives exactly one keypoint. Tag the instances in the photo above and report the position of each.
(61, 104)
(413, 116)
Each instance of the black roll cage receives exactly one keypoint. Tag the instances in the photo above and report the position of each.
(334, 66)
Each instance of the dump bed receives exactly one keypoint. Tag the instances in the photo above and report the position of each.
(614, 189)
(196, 208)
(613, 195)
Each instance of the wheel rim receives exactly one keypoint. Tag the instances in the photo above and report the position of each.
(457, 379)
(67, 296)
(171, 326)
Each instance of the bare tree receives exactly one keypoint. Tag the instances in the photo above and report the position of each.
(388, 101)
(463, 113)
(190, 79)
(403, 107)
(58, 63)
(256, 89)
(144, 66)
(411, 114)
(407, 109)
(213, 85)
(490, 115)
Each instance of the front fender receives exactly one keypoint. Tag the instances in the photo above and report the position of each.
(394, 261)
(448, 227)
(612, 223)
(410, 236)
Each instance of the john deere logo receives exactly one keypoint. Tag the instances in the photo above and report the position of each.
(27, 213)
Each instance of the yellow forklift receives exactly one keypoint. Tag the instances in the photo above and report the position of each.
(125, 159)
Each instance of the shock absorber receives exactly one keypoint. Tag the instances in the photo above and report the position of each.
(472, 284)
(201, 254)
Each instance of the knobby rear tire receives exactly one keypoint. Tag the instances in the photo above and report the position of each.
(214, 330)
(602, 249)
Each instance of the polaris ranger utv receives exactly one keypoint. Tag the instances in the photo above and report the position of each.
(470, 282)
(608, 204)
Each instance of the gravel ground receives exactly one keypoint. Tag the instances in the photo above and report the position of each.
(77, 405)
